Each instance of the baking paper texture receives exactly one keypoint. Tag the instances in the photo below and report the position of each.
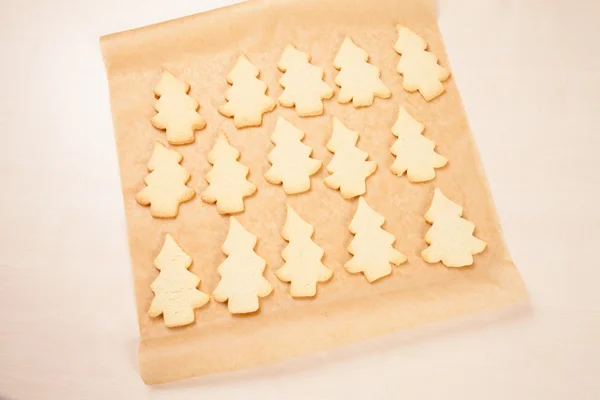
(201, 49)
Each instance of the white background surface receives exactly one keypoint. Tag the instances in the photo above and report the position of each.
(529, 74)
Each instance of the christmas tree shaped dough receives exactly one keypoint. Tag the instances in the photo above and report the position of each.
(175, 293)
(247, 101)
(372, 246)
(419, 67)
(358, 79)
(303, 266)
(177, 112)
(166, 187)
(348, 166)
(414, 153)
(303, 83)
(450, 238)
(227, 179)
(292, 164)
(242, 281)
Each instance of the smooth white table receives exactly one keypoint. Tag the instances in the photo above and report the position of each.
(529, 74)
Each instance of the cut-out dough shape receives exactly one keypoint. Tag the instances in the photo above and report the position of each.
(246, 98)
(175, 293)
(303, 83)
(177, 112)
(348, 166)
(450, 238)
(292, 164)
(419, 67)
(242, 281)
(359, 80)
(414, 153)
(372, 246)
(303, 266)
(227, 178)
(166, 187)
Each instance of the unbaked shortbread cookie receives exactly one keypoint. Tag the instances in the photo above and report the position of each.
(358, 79)
(166, 187)
(242, 281)
(227, 179)
(419, 67)
(177, 112)
(175, 293)
(414, 153)
(348, 166)
(247, 101)
(450, 239)
(303, 83)
(292, 164)
(303, 266)
(372, 246)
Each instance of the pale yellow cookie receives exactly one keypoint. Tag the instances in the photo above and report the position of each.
(303, 83)
(414, 153)
(303, 266)
(450, 239)
(359, 80)
(419, 67)
(292, 164)
(166, 187)
(175, 293)
(372, 246)
(348, 166)
(247, 101)
(242, 281)
(227, 179)
(177, 112)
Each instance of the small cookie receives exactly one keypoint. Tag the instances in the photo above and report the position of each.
(303, 83)
(177, 112)
(303, 266)
(419, 67)
(358, 79)
(227, 178)
(246, 99)
(292, 164)
(450, 238)
(166, 187)
(242, 281)
(372, 246)
(414, 153)
(348, 166)
(175, 293)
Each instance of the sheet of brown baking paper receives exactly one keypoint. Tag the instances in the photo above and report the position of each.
(201, 49)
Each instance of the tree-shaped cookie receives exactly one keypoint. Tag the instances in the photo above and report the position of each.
(414, 153)
(242, 281)
(246, 99)
(175, 293)
(177, 112)
(450, 238)
(303, 83)
(372, 246)
(419, 67)
(227, 178)
(292, 164)
(358, 79)
(166, 187)
(348, 166)
(303, 266)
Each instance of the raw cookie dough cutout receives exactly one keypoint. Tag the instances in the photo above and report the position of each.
(303, 266)
(450, 238)
(359, 80)
(175, 293)
(292, 165)
(242, 281)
